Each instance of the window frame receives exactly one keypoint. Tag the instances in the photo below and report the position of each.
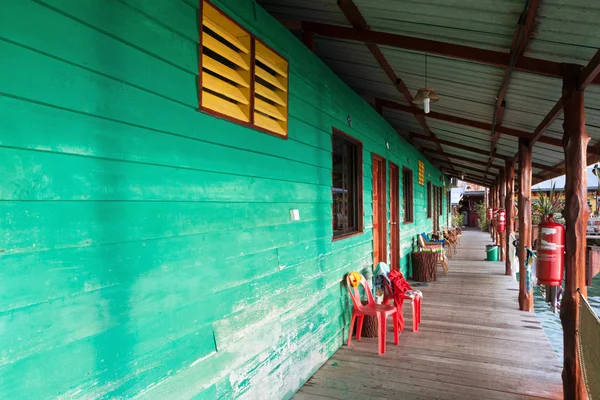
(360, 225)
(253, 39)
(409, 201)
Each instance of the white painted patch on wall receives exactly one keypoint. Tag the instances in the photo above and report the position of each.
(202, 358)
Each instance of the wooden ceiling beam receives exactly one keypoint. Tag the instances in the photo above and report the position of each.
(452, 144)
(590, 73)
(477, 172)
(546, 123)
(521, 37)
(477, 179)
(471, 123)
(466, 159)
(483, 56)
(485, 152)
(467, 169)
(476, 169)
(421, 148)
(587, 76)
(353, 15)
(473, 179)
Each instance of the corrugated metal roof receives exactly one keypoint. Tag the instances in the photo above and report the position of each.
(528, 99)
(485, 24)
(465, 89)
(325, 11)
(353, 62)
(565, 30)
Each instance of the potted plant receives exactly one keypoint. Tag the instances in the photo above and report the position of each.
(548, 205)
(546, 210)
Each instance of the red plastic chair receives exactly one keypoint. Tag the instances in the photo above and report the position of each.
(380, 311)
(415, 302)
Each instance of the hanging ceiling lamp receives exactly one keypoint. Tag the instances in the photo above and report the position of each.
(426, 95)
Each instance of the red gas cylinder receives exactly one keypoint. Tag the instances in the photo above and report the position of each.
(490, 213)
(501, 220)
(550, 253)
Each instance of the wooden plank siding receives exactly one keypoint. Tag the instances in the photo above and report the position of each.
(472, 343)
(147, 248)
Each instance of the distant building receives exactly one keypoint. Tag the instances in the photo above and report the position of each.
(559, 182)
(464, 197)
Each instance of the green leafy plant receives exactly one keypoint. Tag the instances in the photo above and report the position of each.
(457, 220)
(547, 205)
(481, 210)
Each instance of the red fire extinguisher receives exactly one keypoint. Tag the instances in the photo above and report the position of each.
(490, 213)
(495, 217)
(550, 253)
(501, 220)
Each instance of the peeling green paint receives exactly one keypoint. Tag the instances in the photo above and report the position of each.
(146, 247)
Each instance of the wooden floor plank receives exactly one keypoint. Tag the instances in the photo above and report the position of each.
(473, 343)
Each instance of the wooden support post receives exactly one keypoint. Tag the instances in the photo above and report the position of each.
(308, 38)
(379, 109)
(490, 204)
(525, 292)
(501, 196)
(509, 205)
(576, 214)
(493, 205)
(495, 230)
(488, 198)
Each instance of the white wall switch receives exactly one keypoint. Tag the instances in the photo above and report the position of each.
(295, 215)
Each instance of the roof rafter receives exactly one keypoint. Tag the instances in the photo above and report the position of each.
(353, 15)
(479, 151)
(469, 178)
(475, 169)
(471, 123)
(484, 56)
(466, 159)
(521, 37)
(588, 74)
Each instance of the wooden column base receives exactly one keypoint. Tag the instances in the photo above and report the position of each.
(424, 266)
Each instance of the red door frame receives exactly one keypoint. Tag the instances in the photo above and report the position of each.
(394, 216)
(379, 210)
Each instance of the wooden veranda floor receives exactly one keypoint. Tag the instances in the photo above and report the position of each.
(473, 343)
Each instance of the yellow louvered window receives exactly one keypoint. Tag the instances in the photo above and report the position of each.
(226, 61)
(270, 90)
(241, 78)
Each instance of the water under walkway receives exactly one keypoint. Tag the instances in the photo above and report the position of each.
(473, 343)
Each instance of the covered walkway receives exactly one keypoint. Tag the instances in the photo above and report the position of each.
(473, 343)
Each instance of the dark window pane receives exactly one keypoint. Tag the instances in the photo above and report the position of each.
(407, 194)
(429, 204)
(345, 186)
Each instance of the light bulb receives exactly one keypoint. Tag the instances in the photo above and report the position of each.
(426, 104)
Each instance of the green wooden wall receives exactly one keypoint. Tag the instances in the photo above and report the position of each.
(146, 247)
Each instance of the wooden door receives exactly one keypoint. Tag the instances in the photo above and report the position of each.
(394, 217)
(436, 208)
(379, 211)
